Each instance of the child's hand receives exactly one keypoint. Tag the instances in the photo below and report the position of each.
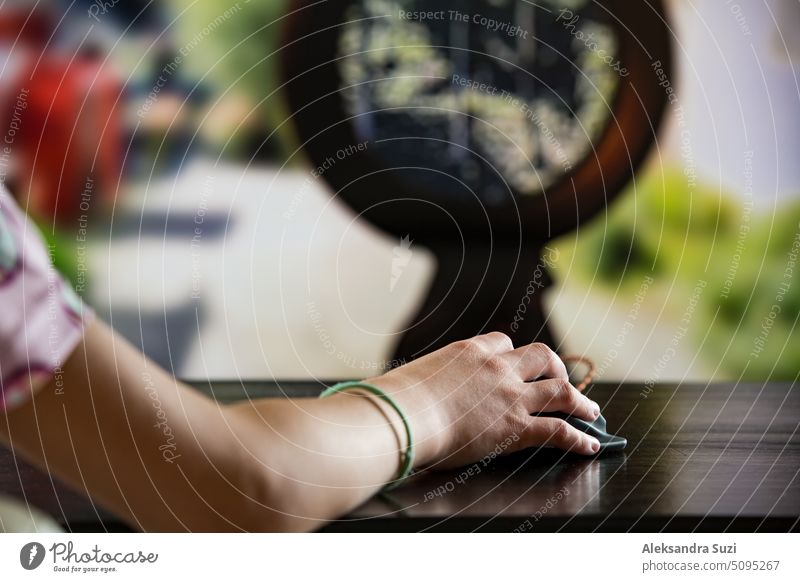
(466, 398)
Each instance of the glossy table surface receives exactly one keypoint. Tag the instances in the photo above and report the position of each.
(716, 457)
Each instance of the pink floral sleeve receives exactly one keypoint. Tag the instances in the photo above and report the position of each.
(41, 317)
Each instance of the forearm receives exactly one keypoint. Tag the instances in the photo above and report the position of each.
(323, 457)
(166, 458)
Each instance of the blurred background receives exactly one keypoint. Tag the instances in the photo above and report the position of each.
(150, 142)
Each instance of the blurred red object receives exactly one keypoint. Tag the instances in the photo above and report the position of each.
(64, 119)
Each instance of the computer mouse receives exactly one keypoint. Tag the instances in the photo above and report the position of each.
(597, 429)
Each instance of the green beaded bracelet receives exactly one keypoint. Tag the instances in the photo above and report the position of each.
(408, 457)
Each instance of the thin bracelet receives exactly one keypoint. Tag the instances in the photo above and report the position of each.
(408, 457)
(590, 373)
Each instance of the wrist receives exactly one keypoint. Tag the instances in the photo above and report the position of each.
(428, 430)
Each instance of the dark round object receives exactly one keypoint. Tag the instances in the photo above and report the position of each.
(502, 120)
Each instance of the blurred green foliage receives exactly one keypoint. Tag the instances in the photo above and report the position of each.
(680, 235)
(240, 57)
(62, 248)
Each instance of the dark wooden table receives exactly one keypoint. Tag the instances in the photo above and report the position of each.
(720, 457)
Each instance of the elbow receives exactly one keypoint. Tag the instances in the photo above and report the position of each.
(269, 503)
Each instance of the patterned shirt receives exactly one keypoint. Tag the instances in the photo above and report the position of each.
(41, 318)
